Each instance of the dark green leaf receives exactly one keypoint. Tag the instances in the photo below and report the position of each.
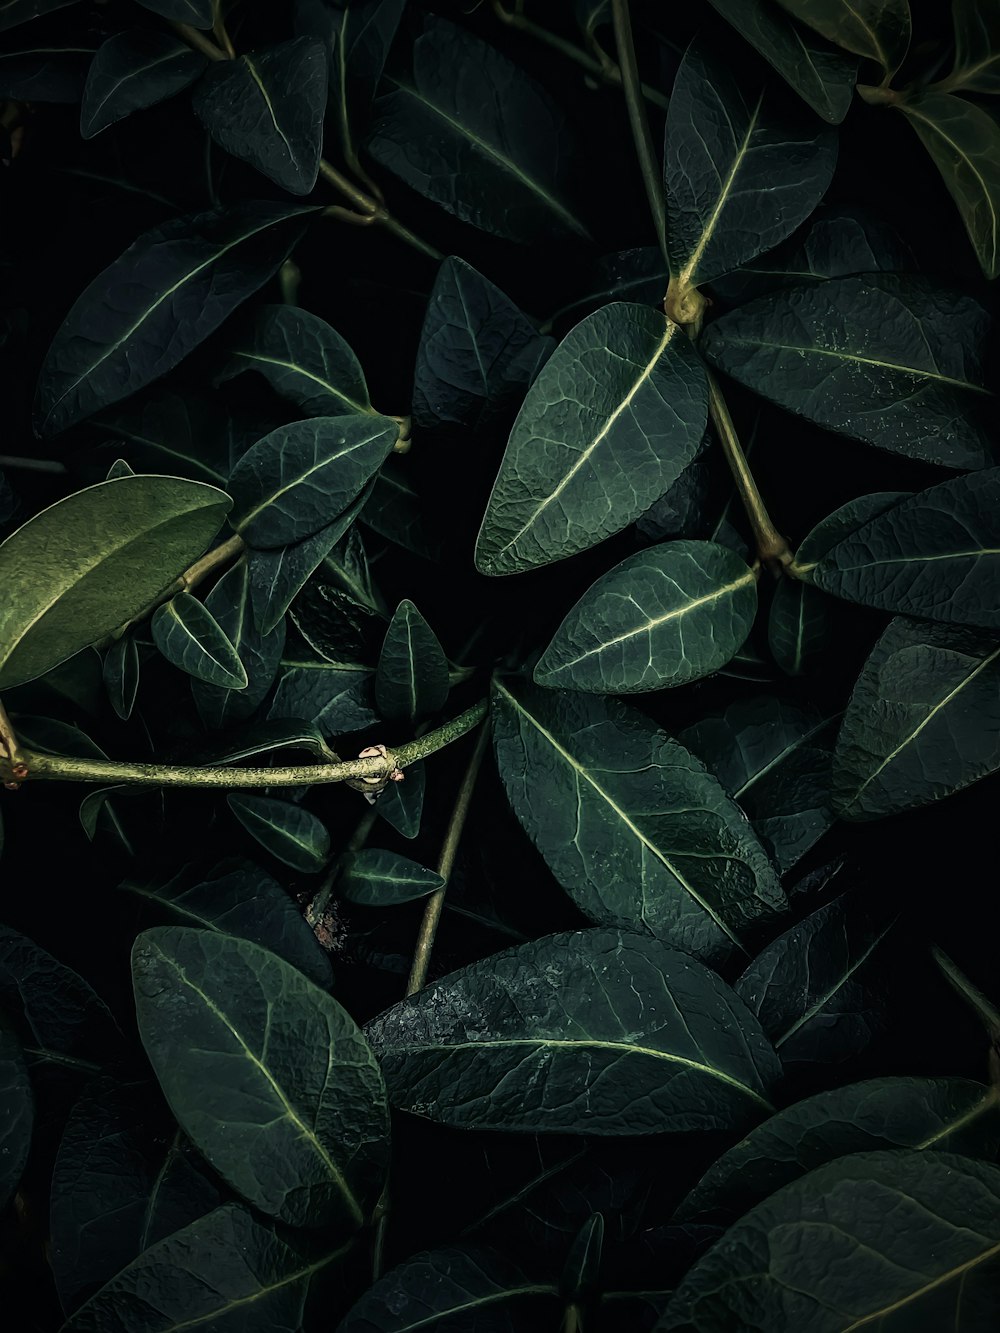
(773, 756)
(330, 695)
(381, 879)
(199, 13)
(298, 1122)
(288, 832)
(401, 804)
(300, 477)
(225, 1272)
(81, 568)
(167, 292)
(454, 1291)
(229, 603)
(892, 360)
(17, 1112)
(267, 107)
(478, 136)
(740, 174)
(630, 823)
(820, 989)
(977, 46)
(45, 73)
(800, 630)
(587, 1032)
(478, 353)
(952, 1114)
(238, 898)
(822, 76)
(121, 675)
(14, 12)
(336, 626)
(933, 555)
(842, 523)
(665, 616)
(264, 737)
(581, 1271)
(166, 432)
(395, 511)
(189, 636)
(348, 565)
(964, 143)
(888, 1240)
(878, 30)
(133, 70)
(50, 736)
(638, 275)
(923, 721)
(411, 680)
(630, 440)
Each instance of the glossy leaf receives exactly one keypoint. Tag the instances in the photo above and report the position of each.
(189, 636)
(44, 73)
(121, 675)
(923, 720)
(821, 75)
(348, 565)
(932, 555)
(330, 695)
(337, 626)
(773, 757)
(376, 878)
(288, 832)
(630, 823)
(134, 70)
(820, 989)
(740, 173)
(946, 1114)
(879, 30)
(297, 479)
(267, 107)
(581, 1270)
(819, 1255)
(892, 360)
(963, 141)
(411, 680)
(800, 630)
(265, 736)
(977, 46)
(588, 1032)
(298, 1122)
(620, 406)
(665, 616)
(401, 804)
(17, 1113)
(224, 1271)
(229, 604)
(472, 132)
(167, 292)
(80, 569)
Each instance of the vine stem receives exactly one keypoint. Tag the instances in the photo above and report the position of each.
(65, 768)
(446, 862)
(645, 152)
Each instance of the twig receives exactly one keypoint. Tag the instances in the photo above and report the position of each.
(32, 464)
(648, 161)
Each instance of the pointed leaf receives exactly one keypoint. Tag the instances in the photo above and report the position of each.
(297, 1122)
(288, 832)
(639, 274)
(121, 675)
(329, 695)
(165, 295)
(83, 567)
(44, 73)
(587, 1032)
(665, 616)
(172, 433)
(800, 629)
(17, 1112)
(879, 30)
(376, 878)
(581, 1272)
(395, 511)
(977, 46)
(401, 804)
(412, 676)
(133, 70)
(259, 654)
(619, 408)
(189, 636)
(630, 823)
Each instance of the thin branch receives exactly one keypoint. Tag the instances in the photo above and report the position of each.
(446, 862)
(32, 464)
(12, 759)
(197, 40)
(648, 160)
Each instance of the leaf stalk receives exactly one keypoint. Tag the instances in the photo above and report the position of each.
(648, 162)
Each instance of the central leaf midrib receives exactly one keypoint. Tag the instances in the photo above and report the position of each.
(810, 349)
(824, 999)
(301, 370)
(299, 480)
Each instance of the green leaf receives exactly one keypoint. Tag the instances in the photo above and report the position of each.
(45, 73)
(588, 1032)
(264, 737)
(395, 511)
(800, 630)
(297, 1122)
(165, 295)
(923, 720)
(134, 70)
(817, 990)
(454, 1290)
(933, 555)
(168, 432)
(238, 898)
(81, 568)
(964, 143)
(950, 1114)
(680, 511)
(739, 174)
(229, 604)
(821, 76)
(189, 636)
(411, 680)
(878, 30)
(348, 564)
(288, 832)
(121, 675)
(124, 1178)
(303, 359)
(630, 823)
(480, 138)
(329, 695)
(17, 1113)
(376, 878)
(893, 360)
(14, 12)
(977, 46)
(336, 626)
(581, 1271)
(267, 107)
(223, 1272)
(620, 408)
(401, 804)
(300, 477)
(842, 523)
(639, 274)
(665, 616)
(773, 757)
(478, 352)
(897, 1240)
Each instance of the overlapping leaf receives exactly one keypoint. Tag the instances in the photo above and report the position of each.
(259, 653)
(288, 832)
(377, 878)
(879, 30)
(189, 636)
(977, 45)
(133, 70)
(411, 680)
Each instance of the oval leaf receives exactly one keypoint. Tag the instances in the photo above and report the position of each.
(288, 832)
(977, 46)
(133, 70)
(879, 30)
(121, 675)
(376, 878)
(259, 653)
(411, 680)
(189, 636)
